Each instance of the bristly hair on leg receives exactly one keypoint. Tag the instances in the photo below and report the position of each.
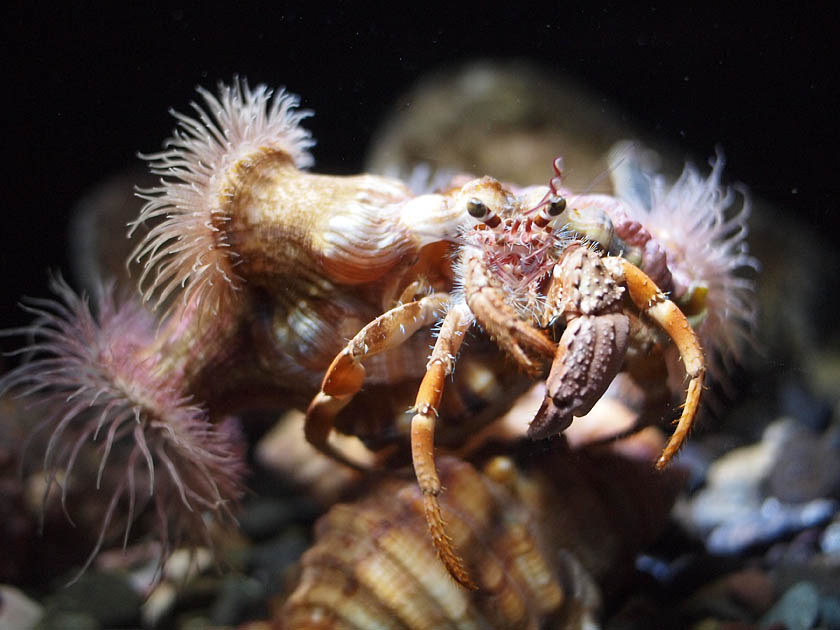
(186, 244)
(98, 390)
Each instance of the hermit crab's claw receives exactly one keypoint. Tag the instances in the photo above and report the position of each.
(650, 300)
(589, 355)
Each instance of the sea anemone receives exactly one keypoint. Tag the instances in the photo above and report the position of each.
(186, 244)
(96, 387)
(703, 228)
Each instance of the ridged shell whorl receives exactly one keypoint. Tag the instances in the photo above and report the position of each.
(541, 539)
(374, 566)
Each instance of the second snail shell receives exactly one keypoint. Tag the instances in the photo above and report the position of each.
(537, 542)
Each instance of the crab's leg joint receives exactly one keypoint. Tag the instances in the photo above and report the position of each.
(440, 365)
(346, 373)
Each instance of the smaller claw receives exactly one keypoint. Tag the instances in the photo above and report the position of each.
(530, 347)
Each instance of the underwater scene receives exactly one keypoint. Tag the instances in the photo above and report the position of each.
(522, 358)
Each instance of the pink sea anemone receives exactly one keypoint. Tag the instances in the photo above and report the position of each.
(702, 226)
(95, 387)
(186, 244)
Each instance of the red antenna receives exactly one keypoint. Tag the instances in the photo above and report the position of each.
(553, 203)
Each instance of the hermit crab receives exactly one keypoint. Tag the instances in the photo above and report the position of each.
(524, 269)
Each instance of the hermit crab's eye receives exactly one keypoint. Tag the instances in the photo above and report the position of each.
(477, 208)
(556, 205)
(550, 208)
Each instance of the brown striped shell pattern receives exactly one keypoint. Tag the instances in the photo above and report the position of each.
(542, 539)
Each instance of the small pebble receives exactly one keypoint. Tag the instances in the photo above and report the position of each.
(733, 483)
(238, 595)
(830, 539)
(185, 564)
(830, 612)
(798, 550)
(798, 402)
(17, 611)
(752, 588)
(771, 522)
(195, 622)
(263, 518)
(738, 596)
(798, 608)
(108, 598)
(269, 562)
(69, 620)
(807, 467)
(160, 603)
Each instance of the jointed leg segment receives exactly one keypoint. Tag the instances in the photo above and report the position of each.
(346, 374)
(650, 300)
(454, 327)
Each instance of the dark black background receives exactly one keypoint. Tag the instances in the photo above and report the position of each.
(87, 87)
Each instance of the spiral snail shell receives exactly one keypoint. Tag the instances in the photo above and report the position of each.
(537, 542)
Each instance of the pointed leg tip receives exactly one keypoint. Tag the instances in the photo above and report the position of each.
(466, 581)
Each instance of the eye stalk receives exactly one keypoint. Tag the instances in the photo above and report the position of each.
(477, 209)
(550, 208)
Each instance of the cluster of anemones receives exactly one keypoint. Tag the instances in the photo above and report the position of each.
(105, 375)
